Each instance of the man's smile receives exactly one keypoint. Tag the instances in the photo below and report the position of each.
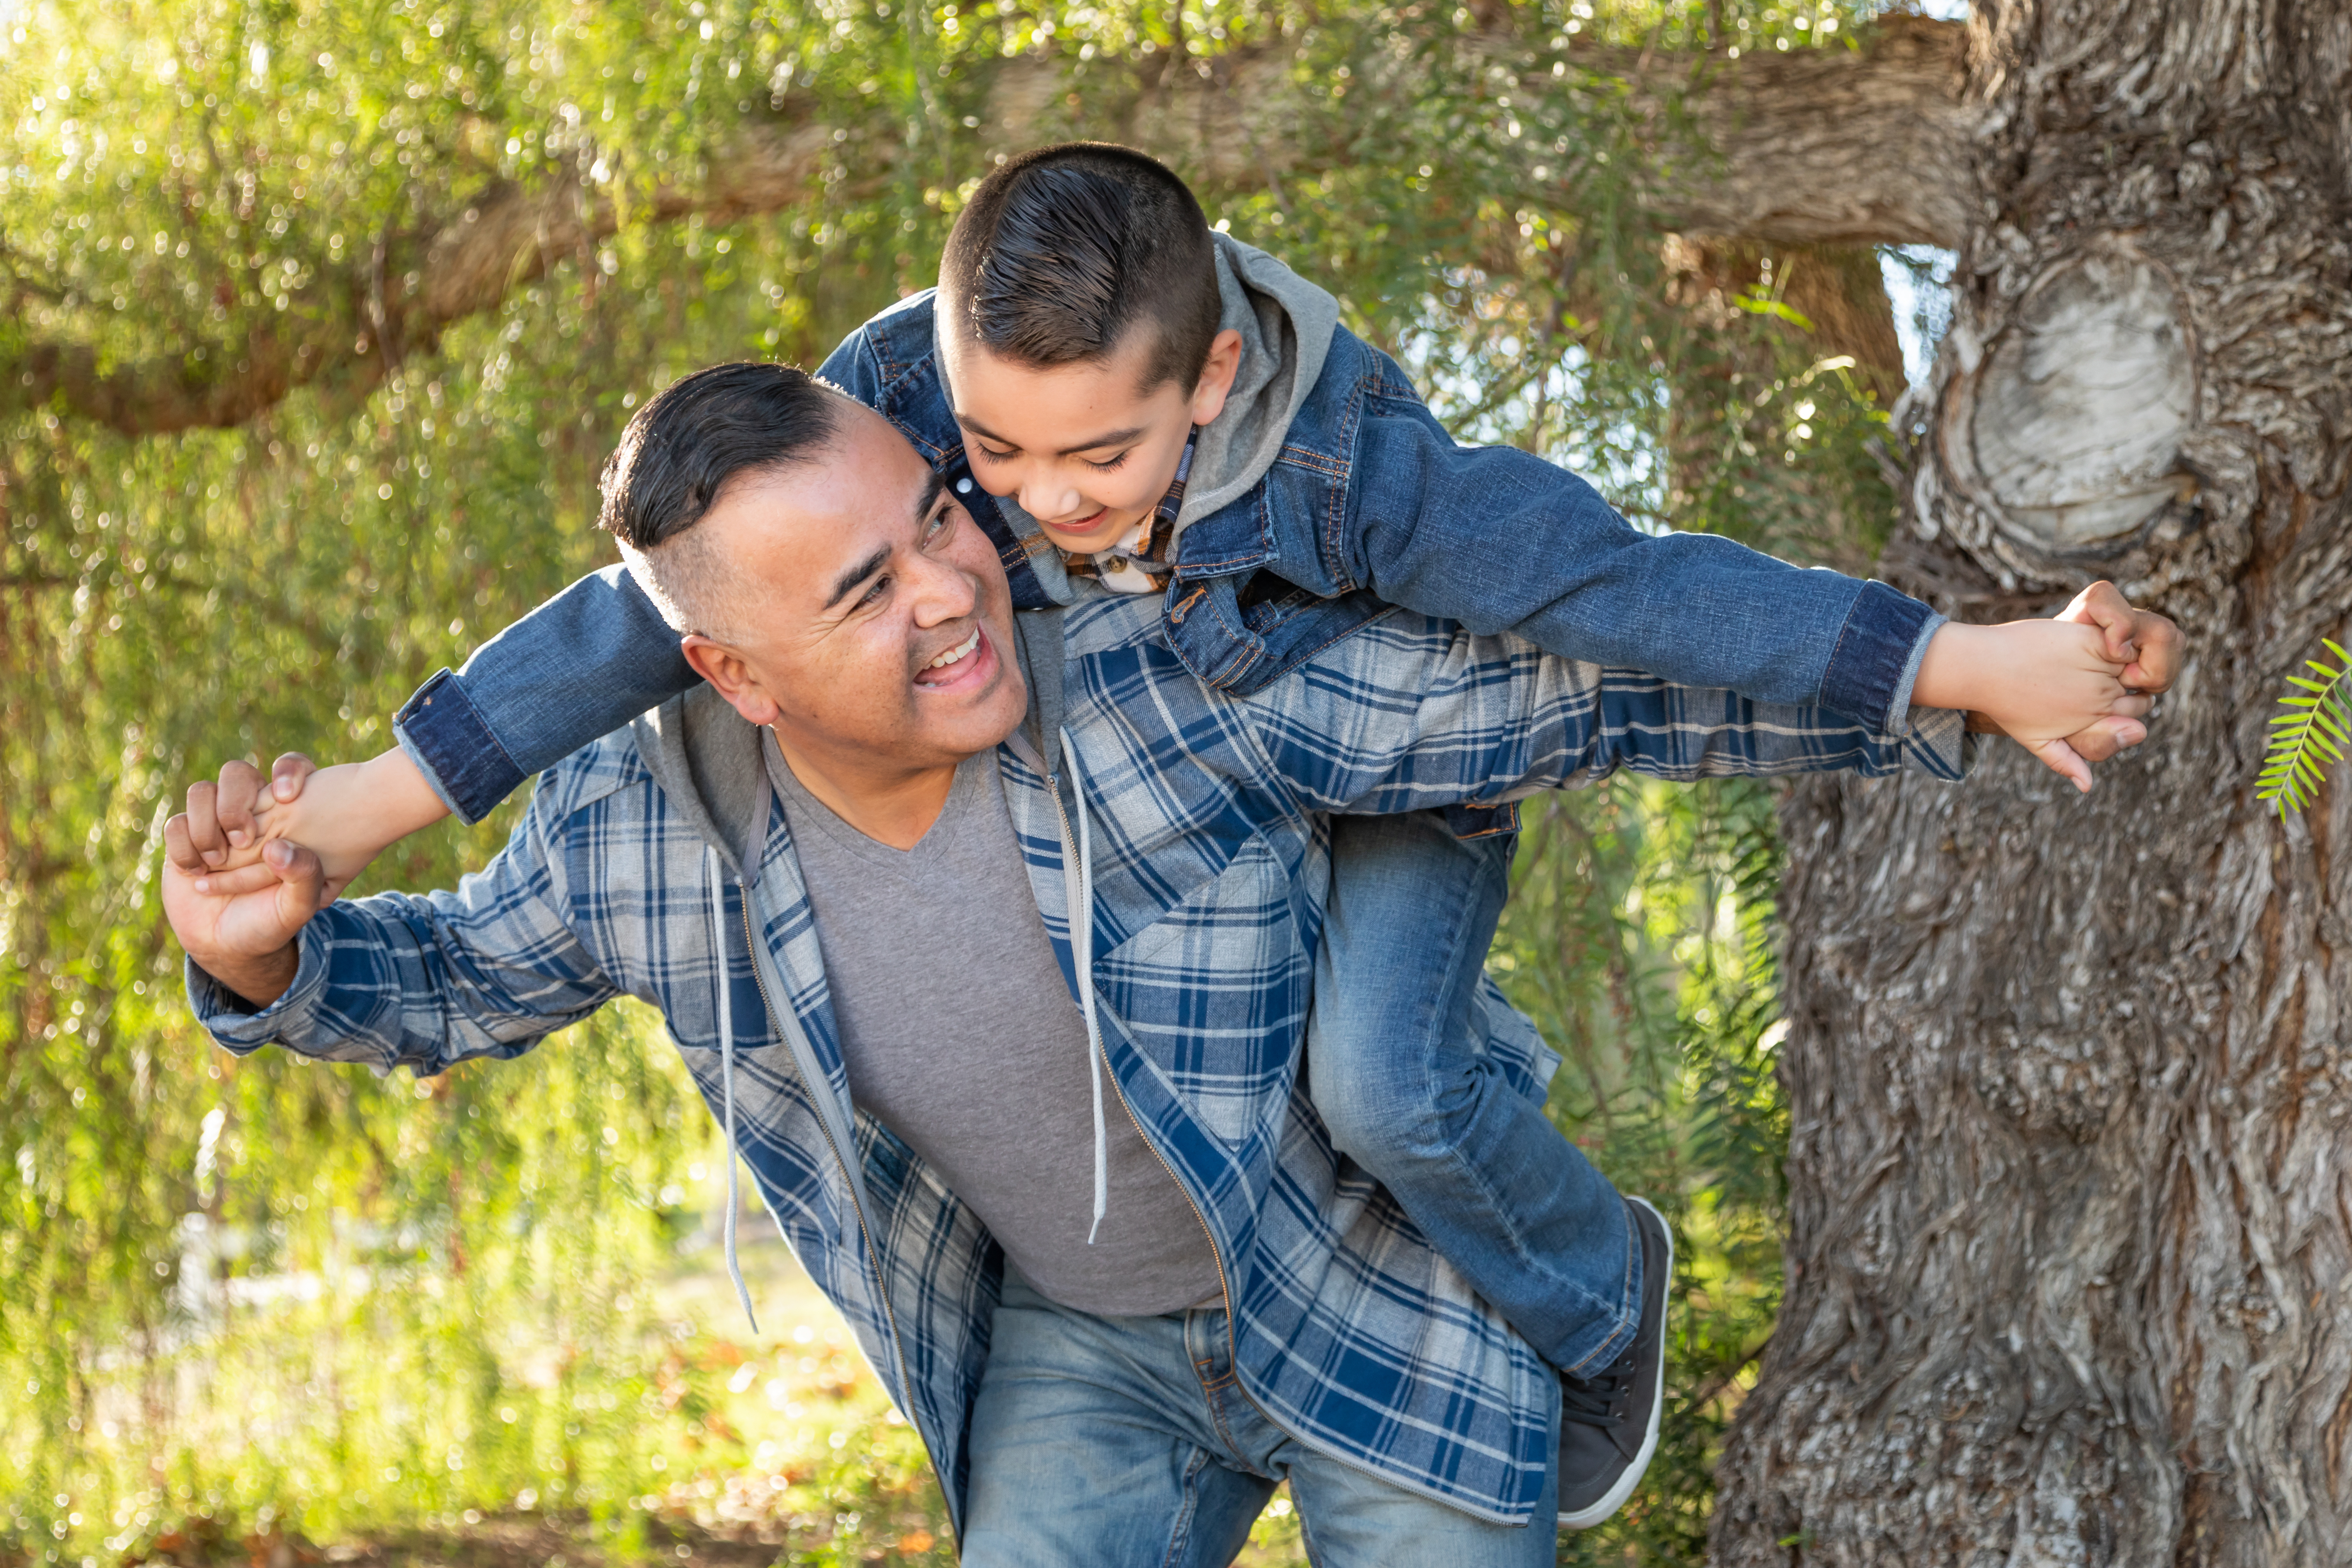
(961, 668)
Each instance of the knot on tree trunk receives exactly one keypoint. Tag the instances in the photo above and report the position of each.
(2061, 438)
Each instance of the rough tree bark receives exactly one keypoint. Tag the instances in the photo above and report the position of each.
(2068, 1270)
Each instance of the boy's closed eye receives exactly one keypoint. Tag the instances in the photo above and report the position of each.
(1100, 464)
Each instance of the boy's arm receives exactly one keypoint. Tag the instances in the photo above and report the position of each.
(574, 669)
(1500, 540)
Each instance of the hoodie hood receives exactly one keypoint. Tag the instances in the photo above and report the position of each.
(1286, 324)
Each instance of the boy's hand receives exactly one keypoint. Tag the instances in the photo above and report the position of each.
(2145, 644)
(2058, 687)
(346, 814)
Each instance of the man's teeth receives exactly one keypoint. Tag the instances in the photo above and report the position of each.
(956, 652)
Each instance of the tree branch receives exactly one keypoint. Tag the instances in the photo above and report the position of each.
(1833, 146)
(1818, 146)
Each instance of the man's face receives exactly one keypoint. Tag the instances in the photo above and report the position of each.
(1086, 449)
(884, 632)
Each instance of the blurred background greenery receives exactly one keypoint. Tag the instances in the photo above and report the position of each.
(252, 494)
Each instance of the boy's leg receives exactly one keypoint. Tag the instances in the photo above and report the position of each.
(1397, 1063)
(1093, 1443)
(1398, 1071)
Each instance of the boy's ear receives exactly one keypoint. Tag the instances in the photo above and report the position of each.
(1217, 373)
(730, 676)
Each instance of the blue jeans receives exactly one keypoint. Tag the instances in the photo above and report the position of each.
(1395, 1064)
(1126, 1442)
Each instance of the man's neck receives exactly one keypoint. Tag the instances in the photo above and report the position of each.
(890, 806)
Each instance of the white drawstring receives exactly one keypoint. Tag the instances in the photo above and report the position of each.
(1081, 898)
(727, 1072)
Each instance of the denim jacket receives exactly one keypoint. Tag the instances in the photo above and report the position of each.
(1204, 846)
(1370, 505)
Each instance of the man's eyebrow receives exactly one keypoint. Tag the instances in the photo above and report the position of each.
(842, 585)
(930, 496)
(1107, 438)
(856, 575)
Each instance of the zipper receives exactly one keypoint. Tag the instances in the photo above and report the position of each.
(865, 1237)
(1216, 1255)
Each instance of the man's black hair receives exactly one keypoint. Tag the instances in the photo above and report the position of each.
(1064, 250)
(699, 432)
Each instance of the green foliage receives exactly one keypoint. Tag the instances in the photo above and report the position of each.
(1639, 939)
(298, 1297)
(2313, 731)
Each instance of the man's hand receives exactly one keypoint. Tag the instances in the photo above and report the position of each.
(237, 906)
(2073, 689)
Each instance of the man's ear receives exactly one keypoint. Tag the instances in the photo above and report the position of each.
(730, 676)
(1217, 373)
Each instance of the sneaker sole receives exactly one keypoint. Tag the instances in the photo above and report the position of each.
(1614, 1498)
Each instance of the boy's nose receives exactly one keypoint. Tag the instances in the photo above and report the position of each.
(1050, 498)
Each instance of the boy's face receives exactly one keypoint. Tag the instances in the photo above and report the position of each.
(1086, 449)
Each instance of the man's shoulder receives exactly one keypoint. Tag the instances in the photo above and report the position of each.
(1105, 623)
(591, 775)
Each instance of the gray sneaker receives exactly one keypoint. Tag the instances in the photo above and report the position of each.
(1609, 1421)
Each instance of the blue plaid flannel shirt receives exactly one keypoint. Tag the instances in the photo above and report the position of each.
(1209, 821)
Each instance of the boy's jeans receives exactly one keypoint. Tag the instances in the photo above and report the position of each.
(1407, 1092)
(1125, 1442)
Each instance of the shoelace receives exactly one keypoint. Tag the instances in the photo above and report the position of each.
(1598, 1400)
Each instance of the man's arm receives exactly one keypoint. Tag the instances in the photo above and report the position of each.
(1411, 713)
(487, 970)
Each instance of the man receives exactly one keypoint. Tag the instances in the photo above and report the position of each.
(1096, 1238)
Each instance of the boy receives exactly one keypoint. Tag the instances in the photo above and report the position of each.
(1156, 409)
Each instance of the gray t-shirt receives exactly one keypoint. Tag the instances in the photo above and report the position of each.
(961, 1035)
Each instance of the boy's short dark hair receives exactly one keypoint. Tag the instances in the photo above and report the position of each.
(1064, 249)
(676, 456)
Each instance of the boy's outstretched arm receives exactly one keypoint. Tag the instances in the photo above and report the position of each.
(574, 669)
(1500, 540)
(1409, 713)
(344, 815)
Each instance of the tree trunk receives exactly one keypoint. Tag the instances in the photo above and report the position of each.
(2068, 1273)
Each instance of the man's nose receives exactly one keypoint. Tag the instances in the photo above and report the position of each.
(944, 591)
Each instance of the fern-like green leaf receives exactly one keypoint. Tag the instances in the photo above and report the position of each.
(2313, 731)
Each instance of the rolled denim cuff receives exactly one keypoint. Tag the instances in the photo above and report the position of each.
(234, 1022)
(1876, 659)
(456, 749)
